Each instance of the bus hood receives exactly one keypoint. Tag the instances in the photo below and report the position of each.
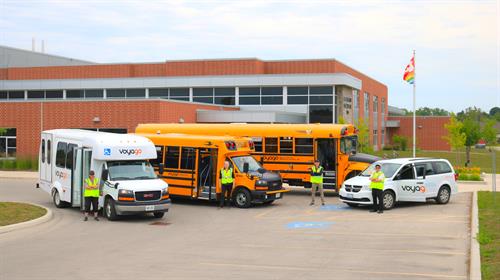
(360, 157)
(141, 185)
(267, 176)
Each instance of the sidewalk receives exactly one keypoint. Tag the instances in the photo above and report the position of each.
(19, 174)
(486, 185)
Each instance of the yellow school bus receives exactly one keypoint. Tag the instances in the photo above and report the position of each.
(191, 164)
(290, 149)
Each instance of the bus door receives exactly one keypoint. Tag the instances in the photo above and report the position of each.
(79, 172)
(46, 158)
(207, 172)
(326, 153)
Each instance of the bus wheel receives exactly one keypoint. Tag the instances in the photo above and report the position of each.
(159, 215)
(57, 199)
(242, 198)
(109, 209)
(388, 199)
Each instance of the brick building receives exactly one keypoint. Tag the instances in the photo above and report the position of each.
(40, 91)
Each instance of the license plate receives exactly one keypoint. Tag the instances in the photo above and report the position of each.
(150, 207)
(278, 195)
(349, 195)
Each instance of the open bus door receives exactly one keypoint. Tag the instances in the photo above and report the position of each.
(80, 171)
(326, 153)
(207, 172)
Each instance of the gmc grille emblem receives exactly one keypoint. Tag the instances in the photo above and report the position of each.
(148, 195)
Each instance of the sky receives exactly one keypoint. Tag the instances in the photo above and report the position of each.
(457, 43)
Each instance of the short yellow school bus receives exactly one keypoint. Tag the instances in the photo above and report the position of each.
(290, 149)
(191, 164)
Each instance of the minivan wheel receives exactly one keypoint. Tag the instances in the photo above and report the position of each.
(109, 209)
(388, 199)
(443, 195)
(242, 198)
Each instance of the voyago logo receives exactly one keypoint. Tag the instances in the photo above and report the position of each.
(129, 152)
(413, 189)
(61, 175)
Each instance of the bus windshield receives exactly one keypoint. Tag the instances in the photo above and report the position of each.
(387, 168)
(130, 170)
(348, 144)
(253, 165)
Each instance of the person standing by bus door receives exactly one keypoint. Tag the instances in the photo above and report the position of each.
(317, 182)
(377, 185)
(226, 178)
(91, 195)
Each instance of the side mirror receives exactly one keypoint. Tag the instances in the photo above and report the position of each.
(246, 166)
(161, 169)
(105, 175)
(116, 185)
(353, 152)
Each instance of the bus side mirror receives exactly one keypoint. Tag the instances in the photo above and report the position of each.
(105, 175)
(353, 152)
(246, 166)
(116, 185)
(161, 168)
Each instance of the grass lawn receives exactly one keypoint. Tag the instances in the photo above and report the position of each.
(479, 157)
(14, 212)
(489, 234)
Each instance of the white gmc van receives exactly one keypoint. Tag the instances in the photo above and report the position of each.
(407, 179)
(128, 182)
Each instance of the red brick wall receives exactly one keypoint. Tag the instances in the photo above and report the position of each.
(430, 132)
(25, 116)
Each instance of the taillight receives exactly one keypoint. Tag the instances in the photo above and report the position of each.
(456, 177)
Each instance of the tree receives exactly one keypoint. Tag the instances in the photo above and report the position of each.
(489, 133)
(494, 111)
(364, 137)
(400, 141)
(472, 132)
(456, 137)
(426, 111)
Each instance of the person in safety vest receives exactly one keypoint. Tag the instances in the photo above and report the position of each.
(317, 182)
(91, 195)
(377, 185)
(226, 179)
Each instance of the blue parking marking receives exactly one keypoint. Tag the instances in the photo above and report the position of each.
(334, 207)
(295, 225)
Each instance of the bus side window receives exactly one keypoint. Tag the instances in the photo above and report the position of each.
(303, 145)
(43, 150)
(188, 158)
(61, 154)
(258, 145)
(172, 157)
(286, 145)
(69, 156)
(49, 149)
(159, 157)
(271, 145)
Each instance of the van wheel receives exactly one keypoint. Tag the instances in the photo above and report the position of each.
(57, 200)
(242, 198)
(159, 215)
(443, 196)
(109, 209)
(388, 199)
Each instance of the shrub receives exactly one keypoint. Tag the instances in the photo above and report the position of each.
(463, 177)
(19, 164)
(400, 141)
(475, 177)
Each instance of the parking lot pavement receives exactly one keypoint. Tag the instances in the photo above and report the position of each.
(285, 240)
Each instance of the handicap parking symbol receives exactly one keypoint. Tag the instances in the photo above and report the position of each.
(107, 152)
(334, 207)
(297, 225)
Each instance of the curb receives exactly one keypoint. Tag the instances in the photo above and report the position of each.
(473, 182)
(43, 219)
(475, 256)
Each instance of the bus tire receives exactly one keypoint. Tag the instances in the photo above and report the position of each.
(443, 195)
(56, 198)
(109, 209)
(159, 215)
(242, 198)
(388, 199)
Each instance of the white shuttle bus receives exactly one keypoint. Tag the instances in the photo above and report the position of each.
(128, 182)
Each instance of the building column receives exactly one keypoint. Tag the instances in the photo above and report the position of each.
(237, 96)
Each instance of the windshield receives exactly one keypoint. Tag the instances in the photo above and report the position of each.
(348, 144)
(253, 165)
(130, 170)
(387, 168)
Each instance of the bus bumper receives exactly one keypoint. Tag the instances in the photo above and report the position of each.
(132, 208)
(264, 196)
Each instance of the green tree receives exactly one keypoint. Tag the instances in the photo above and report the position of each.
(456, 138)
(494, 111)
(364, 137)
(400, 141)
(341, 120)
(489, 133)
(472, 132)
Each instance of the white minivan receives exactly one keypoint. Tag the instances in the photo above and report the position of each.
(128, 182)
(407, 179)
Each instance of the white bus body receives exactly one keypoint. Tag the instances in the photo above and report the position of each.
(128, 183)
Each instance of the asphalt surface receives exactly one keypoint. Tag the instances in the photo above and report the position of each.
(285, 240)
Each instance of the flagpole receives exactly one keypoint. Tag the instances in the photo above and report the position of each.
(414, 111)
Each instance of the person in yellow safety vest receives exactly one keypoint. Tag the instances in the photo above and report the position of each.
(317, 182)
(226, 179)
(91, 195)
(377, 185)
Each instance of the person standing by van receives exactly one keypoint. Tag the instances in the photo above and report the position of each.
(226, 179)
(91, 194)
(377, 185)
(317, 182)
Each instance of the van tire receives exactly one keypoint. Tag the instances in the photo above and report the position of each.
(56, 198)
(109, 209)
(388, 199)
(443, 195)
(242, 198)
(159, 215)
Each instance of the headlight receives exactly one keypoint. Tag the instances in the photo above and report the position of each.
(164, 191)
(261, 183)
(125, 192)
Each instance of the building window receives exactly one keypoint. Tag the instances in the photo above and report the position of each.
(355, 103)
(203, 95)
(297, 95)
(16, 94)
(272, 95)
(93, 93)
(136, 93)
(366, 112)
(382, 137)
(225, 96)
(375, 139)
(115, 93)
(8, 143)
(54, 94)
(375, 112)
(321, 114)
(320, 95)
(159, 93)
(36, 94)
(4, 94)
(179, 94)
(249, 96)
(75, 93)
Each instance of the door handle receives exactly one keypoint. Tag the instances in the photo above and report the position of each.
(420, 183)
